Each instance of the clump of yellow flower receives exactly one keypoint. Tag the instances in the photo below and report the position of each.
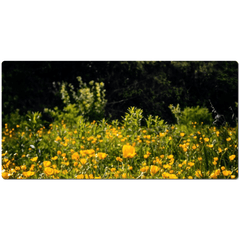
(128, 151)
(232, 157)
(102, 155)
(154, 169)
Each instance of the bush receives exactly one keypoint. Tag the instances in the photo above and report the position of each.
(88, 102)
(189, 115)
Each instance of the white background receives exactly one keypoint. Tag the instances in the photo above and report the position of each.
(119, 30)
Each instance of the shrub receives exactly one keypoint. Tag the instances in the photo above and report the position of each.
(191, 115)
(88, 102)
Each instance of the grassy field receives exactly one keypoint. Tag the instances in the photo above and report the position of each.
(120, 150)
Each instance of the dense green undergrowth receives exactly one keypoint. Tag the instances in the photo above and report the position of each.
(134, 148)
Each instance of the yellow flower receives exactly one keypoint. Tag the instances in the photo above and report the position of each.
(172, 176)
(55, 171)
(46, 163)
(119, 159)
(206, 139)
(75, 156)
(191, 164)
(58, 139)
(232, 157)
(130, 167)
(54, 158)
(81, 176)
(34, 159)
(17, 168)
(190, 177)
(83, 161)
(124, 175)
(215, 159)
(198, 173)
(213, 175)
(182, 134)
(59, 152)
(23, 167)
(98, 177)
(228, 139)
(233, 176)
(5, 175)
(154, 169)
(48, 171)
(28, 174)
(75, 164)
(128, 151)
(143, 169)
(226, 173)
(102, 155)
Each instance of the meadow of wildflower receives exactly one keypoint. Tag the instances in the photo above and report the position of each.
(124, 149)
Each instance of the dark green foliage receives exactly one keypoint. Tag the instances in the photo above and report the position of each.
(192, 115)
(148, 85)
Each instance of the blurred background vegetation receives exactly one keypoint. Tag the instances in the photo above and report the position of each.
(149, 85)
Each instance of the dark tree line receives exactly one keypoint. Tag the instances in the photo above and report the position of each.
(152, 85)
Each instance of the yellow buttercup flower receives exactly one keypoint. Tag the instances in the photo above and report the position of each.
(198, 173)
(83, 161)
(46, 163)
(75, 156)
(102, 155)
(48, 171)
(143, 169)
(226, 173)
(34, 159)
(119, 159)
(124, 175)
(128, 151)
(154, 169)
(5, 175)
(81, 176)
(23, 167)
(232, 157)
(28, 174)
(130, 167)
